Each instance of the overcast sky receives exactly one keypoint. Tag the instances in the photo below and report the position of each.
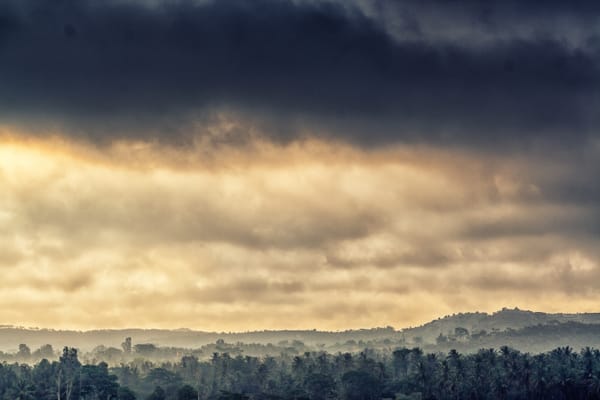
(235, 165)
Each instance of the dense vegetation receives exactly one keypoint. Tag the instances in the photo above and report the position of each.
(400, 374)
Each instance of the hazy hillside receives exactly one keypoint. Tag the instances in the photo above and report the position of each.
(532, 339)
(11, 337)
(499, 321)
(524, 330)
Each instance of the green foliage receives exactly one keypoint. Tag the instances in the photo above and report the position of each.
(158, 394)
(186, 392)
(232, 396)
(320, 386)
(125, 393)
(395, 374)
(96, 382)
(361, 385)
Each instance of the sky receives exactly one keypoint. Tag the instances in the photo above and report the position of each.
(296, 164)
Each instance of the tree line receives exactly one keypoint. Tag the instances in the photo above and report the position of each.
(403, 373)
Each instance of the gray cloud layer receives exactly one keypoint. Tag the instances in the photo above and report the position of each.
(447, 72)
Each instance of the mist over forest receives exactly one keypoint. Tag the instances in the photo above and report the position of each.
(509, 354)
(527, 331)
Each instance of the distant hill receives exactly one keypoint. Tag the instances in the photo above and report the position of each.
(11, 337)
(498, 321)
(524, 330)
(532, 339)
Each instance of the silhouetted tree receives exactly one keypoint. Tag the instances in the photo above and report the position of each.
(187, 392)
(158, 394)
(126, 345)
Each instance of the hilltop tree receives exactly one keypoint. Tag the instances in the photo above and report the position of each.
(126, 345)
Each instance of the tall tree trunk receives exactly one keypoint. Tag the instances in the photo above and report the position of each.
(58, 384)
(69, 390)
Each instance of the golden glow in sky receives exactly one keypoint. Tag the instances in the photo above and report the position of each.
(305, 234)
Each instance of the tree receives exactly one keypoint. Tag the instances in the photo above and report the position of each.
(320, 386)
(22, 390)
(127, 375)
(126, 345)
(43, 378)
(400, 362)
(45, 351)
(125, 393)
(360, 385)
(68, 373)
(162, 377)
(96, 382)
(158, 394)
(24, 352)
(187, 392)
(232, 396)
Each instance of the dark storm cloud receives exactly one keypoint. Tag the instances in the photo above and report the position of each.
(574, 22)
(105, 68)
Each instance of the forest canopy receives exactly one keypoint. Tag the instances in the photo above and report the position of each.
(404, 373)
